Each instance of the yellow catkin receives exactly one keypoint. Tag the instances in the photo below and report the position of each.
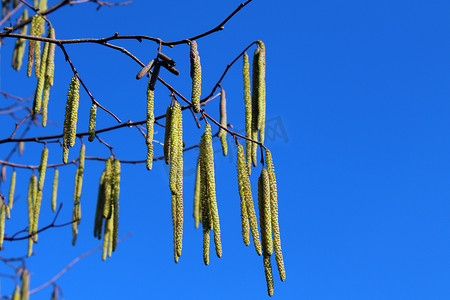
(25, 288)
(248, 110)
(12, 187)
(70, 119)
(43, 5)
(107, 238)
(37, 104)
(274, 216)
(47, 73)
(116, 191)
(196, 75)
(268, 272)
(19, 48)
(167, 140)
(76, 215)
(99, 209)
(261, 86)
(108, 189)
(179, 184)
(32, 191)
(223, 122)
(31, 45)
(92, 118)
(110, 229)
(40, 187)
(16, 294)
(55, 189)
(2, 222)
(37, 47)
(211, 188)
(204, 203)
(50, 70)
(242, 171)
(197, 215)
(149, 122)
(247, 191)
(254, 148)
(265, 216)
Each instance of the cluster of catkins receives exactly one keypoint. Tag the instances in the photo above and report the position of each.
(22, 291)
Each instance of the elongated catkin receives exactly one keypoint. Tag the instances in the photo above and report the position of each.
(55, 189)
(268, 272)
(248, 110)
(274, 215)
(167, 138)
(37, 103)
(197, 214)
(108, 189)
(204, 201)
(98, 222)
(223, 122)
(241, 168)
(40, 187)
(196, 75)
(19, 48)
(71, 115)
(92, 119)
(25, 287)
(265, 216)
(115, 196)
(39, 31)
(76, 215)
(150, 123)
(32, 195)
(16, 294)
(49, 73)
(3, 207)
(260, 73)
(12, 187)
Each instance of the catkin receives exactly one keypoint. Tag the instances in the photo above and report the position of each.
(149, 122)
(39, 30)
(76, 216)
(92, 118)
(25, 288)
(108, 189)
(16, 294)
(71, 114)
(19, 48)
(247, 193)
(37, 104)
(32, 191)
(204, 201)
(2, 222)
(12, 187)
(197, 214)
(115, 196)
(40, 187)
(274, 216)
(265, 212)
(98, 223)
(223, 122)
(21, 148)
(55, 189)
(268, 272)
(31, 45)
(49, 72)
(211, 188)
(248, 110)
(242, 171)
(167, 139)
(196, 75)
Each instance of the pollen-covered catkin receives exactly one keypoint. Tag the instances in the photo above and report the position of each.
(19, 48)
(265, 216)
(31, 45)
(248, 110)
(2, 222)
(150, 122)
(268, 272)
(16, 294)
(37, 104)
(31, 198)
(92, 118)
(115, 196)
(223, 122)
(12, 187)
(242, 171)
(197, 214)
(98, 223)
(211, 188)
(25, 287)
(108, 189)
(274, 216)
(55, 189)
(76, 216)
(39, 30)
(261, 86)
(70, 119)
(196, 75)
(40, 187)
(204, 201)
(50, 69)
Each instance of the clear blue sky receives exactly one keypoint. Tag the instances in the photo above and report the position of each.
(357, 109)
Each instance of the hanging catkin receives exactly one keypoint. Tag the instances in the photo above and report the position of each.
(260, 74)
(245, 189)
(92, 118)
(19, 48)
(16, 294)
(108, 189)
(55, 189)
(32, 192)
(98, 222)
(12, 187)
(223, 122)
(50, 69)
(204, 203)
(40, 187)
(3, 207)
(242, 171)
(37, 104)
(70, 120)
(25, 288)
(39, 30)
(265, 215)
(150, 121)
(115, 196)
(31, 45)
(274, 215)
(197, 214)
(76, 215)
(248, 110)
(196, 75)
(208, 161)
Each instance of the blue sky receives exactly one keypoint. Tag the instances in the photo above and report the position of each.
(357, 110)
